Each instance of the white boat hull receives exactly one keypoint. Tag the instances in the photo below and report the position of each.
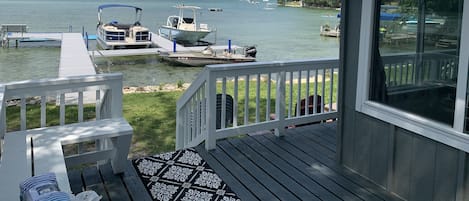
(183, 36)
(122, 45)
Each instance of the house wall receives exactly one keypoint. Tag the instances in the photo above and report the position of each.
(402, 162)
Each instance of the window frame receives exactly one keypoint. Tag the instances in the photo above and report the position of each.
(450, 135)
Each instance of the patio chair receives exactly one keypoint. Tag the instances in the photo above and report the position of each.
(310, 105)
(310, 108)
(228, 110)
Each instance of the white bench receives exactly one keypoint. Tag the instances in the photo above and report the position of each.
(38, 151)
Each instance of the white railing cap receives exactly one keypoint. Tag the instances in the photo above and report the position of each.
(63, 80)
(270, 64)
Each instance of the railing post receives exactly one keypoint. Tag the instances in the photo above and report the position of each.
(179, 129)
(280, 104)
(116, 98)
(2, 117)
(210, 93)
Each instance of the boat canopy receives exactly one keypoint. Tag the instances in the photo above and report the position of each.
(187, 7)
(138, 11)
(101, 7)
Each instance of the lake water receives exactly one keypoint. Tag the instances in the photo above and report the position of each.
(280, 34)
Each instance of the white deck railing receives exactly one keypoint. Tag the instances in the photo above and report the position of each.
(402, 69)
(255, 97)
(105, 90)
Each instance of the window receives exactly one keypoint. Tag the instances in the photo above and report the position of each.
(413, 67)
(415, 64)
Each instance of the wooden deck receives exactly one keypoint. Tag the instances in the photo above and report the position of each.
(299, 166)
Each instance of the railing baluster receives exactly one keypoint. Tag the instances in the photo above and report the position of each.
(258, 95)
(298, 95)
(323, 89)
(80, 106)
(406, 73)
(204, 108)
(290, 102)
(389, 74)
(198, 112)
(235, 102)
(43, 111)
(186, 124)
(223, 104)
(98, 105)
(246, 101)
(307, 93)
(194, 118)
(62, 109)
(402, 73)
(331, 89)
(316, 91)
(269, 85)
(23, 113)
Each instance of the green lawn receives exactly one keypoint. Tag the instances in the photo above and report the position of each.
(152, 115)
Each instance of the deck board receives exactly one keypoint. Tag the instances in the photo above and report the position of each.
(299, 166)
(134, 186)
(93, 182)
(114, 186)
(76, 183)
(260, 191)
(296, 169)
(225, 175)
(278, 189)
(271, 167)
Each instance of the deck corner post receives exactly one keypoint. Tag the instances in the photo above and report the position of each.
(210, 93)
(179, 129)
(280, 104)
(116, 98)
(121, 146)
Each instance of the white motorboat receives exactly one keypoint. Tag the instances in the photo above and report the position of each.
(184, 29)
(209, 56)
(114, 34)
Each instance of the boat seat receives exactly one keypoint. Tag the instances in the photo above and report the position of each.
(188, 20)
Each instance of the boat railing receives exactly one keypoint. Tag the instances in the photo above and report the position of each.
(234, 99)
(78, 95)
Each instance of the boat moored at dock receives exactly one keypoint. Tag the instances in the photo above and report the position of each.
(115, 35)
(183, 29)
(210, 56)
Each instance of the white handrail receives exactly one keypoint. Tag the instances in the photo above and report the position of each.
(202, 115)
(108, 106)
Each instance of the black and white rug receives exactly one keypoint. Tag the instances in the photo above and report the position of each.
(181, 175)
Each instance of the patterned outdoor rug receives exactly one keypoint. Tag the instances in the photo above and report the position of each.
(181, 175)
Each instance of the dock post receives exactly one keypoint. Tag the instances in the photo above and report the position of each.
(229, 46)
(174, 45)
(16, 43)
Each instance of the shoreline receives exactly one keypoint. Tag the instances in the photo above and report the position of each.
(169, 87)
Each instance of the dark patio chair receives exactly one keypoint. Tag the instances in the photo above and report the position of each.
(310, 108)
(228, 110)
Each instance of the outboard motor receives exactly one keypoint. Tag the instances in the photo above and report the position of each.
(251, 51)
